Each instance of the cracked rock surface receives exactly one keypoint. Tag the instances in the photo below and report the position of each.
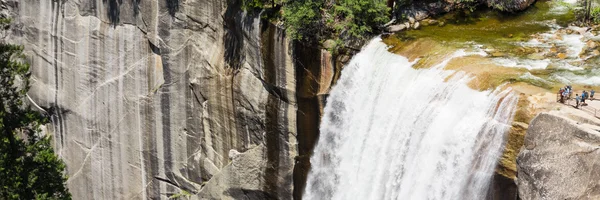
(560, 159)
(148, 98)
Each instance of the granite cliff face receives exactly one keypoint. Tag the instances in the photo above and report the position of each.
(560, 159)
(155, 98)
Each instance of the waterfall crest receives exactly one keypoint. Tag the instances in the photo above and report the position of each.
(394, 132)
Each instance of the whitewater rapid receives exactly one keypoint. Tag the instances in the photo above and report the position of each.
(393, 132)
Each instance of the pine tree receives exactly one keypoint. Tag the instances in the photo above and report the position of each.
(29, 169)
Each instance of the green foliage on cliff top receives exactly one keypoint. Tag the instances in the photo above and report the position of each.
(29, 169)
(319, 20)
(303, 19)
(359, 17)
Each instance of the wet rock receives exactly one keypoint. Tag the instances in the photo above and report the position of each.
(576, 30)
(429, 22)
(416, 25)
(591, 45)
(396, 28)
(569, 31)
(406, 25)
(498, 54)
(595, 38)
(536, 56)
(411, 20)
(560, 160)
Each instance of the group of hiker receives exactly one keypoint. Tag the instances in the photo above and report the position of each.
(567, 92)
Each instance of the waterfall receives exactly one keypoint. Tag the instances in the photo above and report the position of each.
(393, 132)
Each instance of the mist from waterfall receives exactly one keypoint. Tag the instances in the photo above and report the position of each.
(394, 132)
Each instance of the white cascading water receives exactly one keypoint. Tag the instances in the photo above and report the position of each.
(394, 132)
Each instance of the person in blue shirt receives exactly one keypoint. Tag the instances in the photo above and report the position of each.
(592, 94)
(583, 97)
(577, 99)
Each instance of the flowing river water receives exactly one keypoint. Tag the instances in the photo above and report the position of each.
(392, 130)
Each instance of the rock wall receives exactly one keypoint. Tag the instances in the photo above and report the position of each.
(560, 159)
(159, 98)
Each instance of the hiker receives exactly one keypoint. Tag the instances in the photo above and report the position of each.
(577, 99)
(562, 96)
(565, 95)
(592, 94)
(568, 92)
(583, 97)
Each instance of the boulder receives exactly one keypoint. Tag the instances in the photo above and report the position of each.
(427, 22)
(416, 25)
(390, 23)
(509, 6)
(560, 159)
(590, 45)
(396, 28)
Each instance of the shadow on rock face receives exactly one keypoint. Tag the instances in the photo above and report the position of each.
(173, 6)
(238, 193)
(114, 9)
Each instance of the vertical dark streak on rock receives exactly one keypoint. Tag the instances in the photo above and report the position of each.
(56, 10)
(173, 6)
(271, 122)
(193, 134)
(165, 108)
(114, 11)
(93, 7)
(136, 7)
(64, 128)
(110, 147)
(502, 188)
(308, 67)
(233, 36)
(276, 122)
(150, 152)
(118, 128)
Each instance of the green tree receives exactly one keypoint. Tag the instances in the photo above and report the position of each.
(303, 19)
(29, 169)
(257, 4)
(360, 17)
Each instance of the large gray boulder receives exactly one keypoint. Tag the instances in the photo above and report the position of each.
(560, 160)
